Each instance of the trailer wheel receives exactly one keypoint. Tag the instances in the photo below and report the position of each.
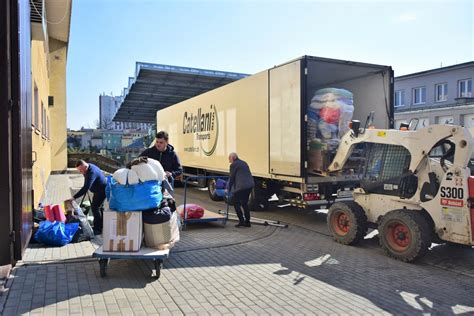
(404, 235)
(211, 189)
(347, 222)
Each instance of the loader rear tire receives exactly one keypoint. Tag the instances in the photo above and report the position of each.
(347, 222)
(404, 235)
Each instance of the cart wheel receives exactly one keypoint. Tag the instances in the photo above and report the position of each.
(158, 264)
(103, 267)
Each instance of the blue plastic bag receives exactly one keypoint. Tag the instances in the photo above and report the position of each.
(55, 233)
(133, 197)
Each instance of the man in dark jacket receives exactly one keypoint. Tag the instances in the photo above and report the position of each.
(94, 180)
(165, 154)
(240, 185)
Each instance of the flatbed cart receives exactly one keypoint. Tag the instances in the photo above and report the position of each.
(209, 216)
(143, 254)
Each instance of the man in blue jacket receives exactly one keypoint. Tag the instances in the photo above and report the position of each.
(165, 154)
(94, 180)
(240, 185)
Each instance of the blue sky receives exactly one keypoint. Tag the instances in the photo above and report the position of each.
(109, 36)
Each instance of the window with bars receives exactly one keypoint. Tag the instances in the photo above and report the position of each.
(386, 165)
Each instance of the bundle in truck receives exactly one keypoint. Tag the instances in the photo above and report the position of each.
(329, 115)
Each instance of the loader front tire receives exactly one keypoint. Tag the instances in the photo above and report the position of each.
(347, 222)
(404, 235)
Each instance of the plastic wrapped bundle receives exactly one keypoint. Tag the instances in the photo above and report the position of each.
(329, 115)
(145, 172)
(121, 176)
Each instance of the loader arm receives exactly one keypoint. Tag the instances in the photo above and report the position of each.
(419, 143)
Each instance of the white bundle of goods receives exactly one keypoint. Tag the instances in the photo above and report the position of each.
(121, 176)
(158, 168)
(145, 172)
(132, 177)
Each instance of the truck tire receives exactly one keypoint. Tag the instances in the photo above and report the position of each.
(258, 200)
(211, 189)
(404, 235)
(347, 222)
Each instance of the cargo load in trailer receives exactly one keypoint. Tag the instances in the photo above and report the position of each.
(286, 122)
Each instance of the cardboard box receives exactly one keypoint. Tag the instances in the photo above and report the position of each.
(122, 231)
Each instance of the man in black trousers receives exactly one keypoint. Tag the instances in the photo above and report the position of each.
(94, 180)
(240, 185)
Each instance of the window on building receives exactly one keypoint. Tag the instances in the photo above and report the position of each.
(43, 119)
(441, 91)
(465, 88)
(399, 97)
(419, 95)
(48, 129)
(448, 120)
(36, 107)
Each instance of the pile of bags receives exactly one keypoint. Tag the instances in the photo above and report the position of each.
(56, 228)
(135, 207)
(329, 115)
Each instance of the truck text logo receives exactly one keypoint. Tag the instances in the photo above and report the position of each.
(205, 126)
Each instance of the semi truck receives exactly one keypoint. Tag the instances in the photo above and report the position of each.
(264, 118)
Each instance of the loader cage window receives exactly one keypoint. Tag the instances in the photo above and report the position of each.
(386, 166)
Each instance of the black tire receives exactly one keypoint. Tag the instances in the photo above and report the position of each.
(347, 222)
(158, 264)
(404, 235)
(258, 200)
(211, 189)
(103, 267)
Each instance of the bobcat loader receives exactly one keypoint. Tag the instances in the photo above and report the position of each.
(416, 187)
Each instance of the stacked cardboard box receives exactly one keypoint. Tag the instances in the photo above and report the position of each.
(122, 230)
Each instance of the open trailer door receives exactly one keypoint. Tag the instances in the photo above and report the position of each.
(285, 119)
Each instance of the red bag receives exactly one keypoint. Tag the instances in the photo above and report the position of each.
(330, 115)
(48, 213)
(58, 213)
(192, 211)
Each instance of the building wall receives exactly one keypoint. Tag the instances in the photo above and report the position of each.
(461, 115)
(429, 80)
(107, 110)
(450, 111)
(57, 61)
(41, 142)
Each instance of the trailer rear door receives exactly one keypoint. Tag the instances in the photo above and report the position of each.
(285, 119)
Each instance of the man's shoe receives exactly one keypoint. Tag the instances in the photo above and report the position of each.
(240, 225)
(247, 224)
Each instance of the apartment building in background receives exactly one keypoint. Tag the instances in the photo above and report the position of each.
(438, 96)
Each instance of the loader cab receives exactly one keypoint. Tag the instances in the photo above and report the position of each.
(443, 152)
(387, 171)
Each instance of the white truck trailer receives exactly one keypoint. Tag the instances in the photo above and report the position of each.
(264, 119)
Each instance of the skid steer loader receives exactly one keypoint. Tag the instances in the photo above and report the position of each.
(415, 186)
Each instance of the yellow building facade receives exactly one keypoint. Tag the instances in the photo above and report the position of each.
(49, 43)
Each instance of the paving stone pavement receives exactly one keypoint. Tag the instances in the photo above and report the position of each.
(262, 270)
